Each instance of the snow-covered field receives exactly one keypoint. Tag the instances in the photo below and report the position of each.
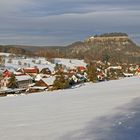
(40, 62)
(70, 63)
(102, 111)
(29, 63)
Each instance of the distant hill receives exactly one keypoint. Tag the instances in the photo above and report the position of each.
(12, 49)
(117, 47)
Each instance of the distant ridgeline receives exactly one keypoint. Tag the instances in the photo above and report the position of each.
(109, 37)
(118, 47)
(11, 49)
(14, 49)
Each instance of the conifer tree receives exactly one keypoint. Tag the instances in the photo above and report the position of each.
(2, 61)
(61, 82)
(91, 72)
(12, 82)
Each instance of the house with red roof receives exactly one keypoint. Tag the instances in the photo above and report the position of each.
(138, 72)
(42, 84)
(23, 81)
(30, 71)
(81, 68)
(7, 73)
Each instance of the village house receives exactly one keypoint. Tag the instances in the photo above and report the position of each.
(81, 68)
(42, 84)
(6, 74)
(73, 80)
(18, 73)
(77, 78)
(4, 82)
(46, 71)
(72, 71)
(31, 71)
(47, 82)
(138, 72)
(101, 76)
(23, 81)
(20, 77)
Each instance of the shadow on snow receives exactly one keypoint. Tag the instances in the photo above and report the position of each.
(125, 126)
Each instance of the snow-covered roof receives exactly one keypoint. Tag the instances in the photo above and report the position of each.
(23, 77)
(8, 90)
(30, 68)
(10, 68)
(37, 87)
(49, 80)
(114, 67)
(18, 73)
(79, 75)
(128, 74)
(38, 77)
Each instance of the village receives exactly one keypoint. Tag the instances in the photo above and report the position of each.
(24, 75)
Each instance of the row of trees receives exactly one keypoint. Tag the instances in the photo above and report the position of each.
(111, 34)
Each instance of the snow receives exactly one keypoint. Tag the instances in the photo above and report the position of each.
(9, 90)
(90, 112)
(23, 78)
(29, 61)
(37, 87)
(4, 54)
(70, 63)
(115, 67)
(20, 62)
(50, 80)
(128, 74)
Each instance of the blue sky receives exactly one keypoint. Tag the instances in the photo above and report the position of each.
(61, 22)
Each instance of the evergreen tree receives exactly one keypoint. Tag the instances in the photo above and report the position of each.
(12, 82)
(58, 67)
(91, 72)
(61, 82)
(2, 61)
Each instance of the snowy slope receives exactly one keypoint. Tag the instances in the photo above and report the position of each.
(70, 63)
(73, 114)
(43, 63)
